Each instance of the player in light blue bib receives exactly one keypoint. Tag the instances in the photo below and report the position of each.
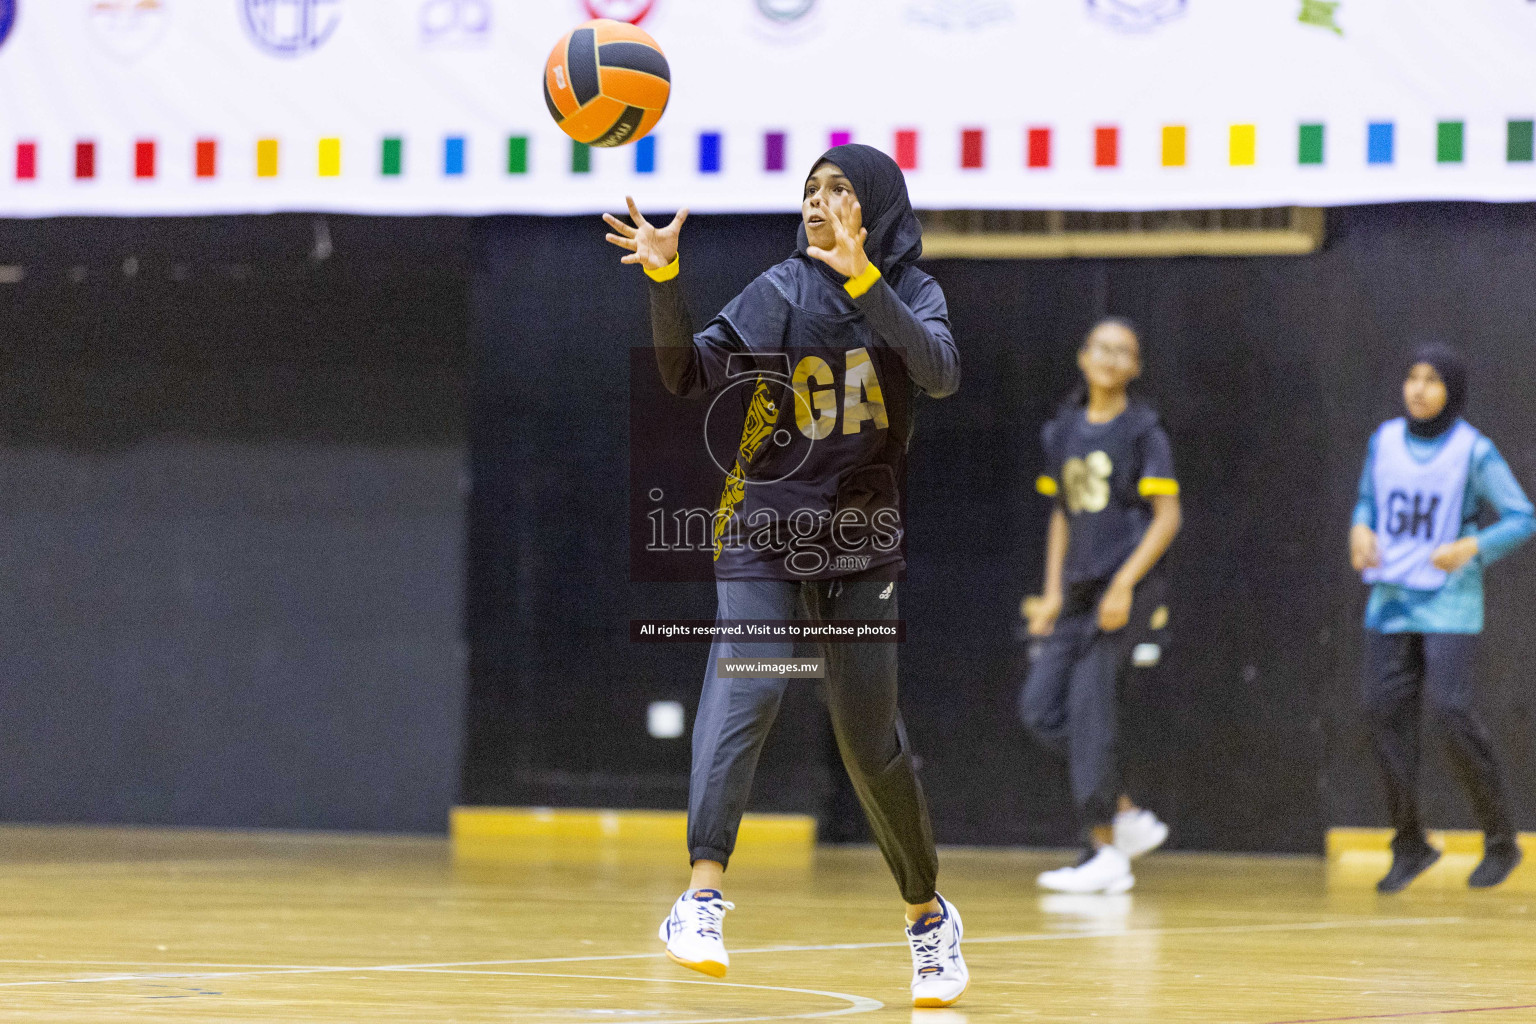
(1415, 540)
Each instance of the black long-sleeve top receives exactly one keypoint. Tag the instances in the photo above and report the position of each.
(826, 379)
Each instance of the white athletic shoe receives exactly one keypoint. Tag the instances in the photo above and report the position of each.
(939, 976)
(1138, 832)
(692, 932)
(1107, 871)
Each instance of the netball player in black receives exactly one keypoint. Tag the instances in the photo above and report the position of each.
(836, 341)
(1110, 471)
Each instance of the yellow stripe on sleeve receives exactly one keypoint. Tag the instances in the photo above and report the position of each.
(856, 286)
(1046, 486)
(665, 273)
(1157, 486)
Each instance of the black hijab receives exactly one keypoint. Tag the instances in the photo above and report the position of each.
(1452, 369)
(895, 237)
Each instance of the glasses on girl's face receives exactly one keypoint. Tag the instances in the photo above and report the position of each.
(1112, 353)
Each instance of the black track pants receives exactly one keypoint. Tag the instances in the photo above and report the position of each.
(1429, 675)
(735, 715)
(1070, 699)
(1069, 703)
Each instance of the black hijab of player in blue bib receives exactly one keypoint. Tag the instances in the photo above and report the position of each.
(1452, 369)
(895, 236)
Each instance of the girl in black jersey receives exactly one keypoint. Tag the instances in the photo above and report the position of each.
(839, 336)
(1110, 472)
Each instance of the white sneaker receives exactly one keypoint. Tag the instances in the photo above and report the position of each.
(692, 932)
(939, 976)
(1138, 832)
(1108, 870)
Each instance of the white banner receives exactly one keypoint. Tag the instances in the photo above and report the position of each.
(435, 106)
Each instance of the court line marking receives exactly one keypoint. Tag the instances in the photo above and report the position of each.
(1406, 1013)
(857, 1004)
(264, 970)
(860, 1004)
(152, 963)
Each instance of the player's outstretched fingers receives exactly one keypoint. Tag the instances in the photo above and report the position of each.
(621, 241)
(839, 228)
(619, 226)
(634, 213)
(855, 238)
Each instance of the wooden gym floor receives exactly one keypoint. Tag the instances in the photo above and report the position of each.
(106, 925)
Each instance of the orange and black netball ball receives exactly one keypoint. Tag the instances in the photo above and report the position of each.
(606, 83)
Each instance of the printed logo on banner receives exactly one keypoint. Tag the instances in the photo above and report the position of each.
(785, 11)
(1322, 14)
(7, 19)
(127, 28)
(786, 21)
(451, 23)
(1136, 15)
(289, 28)
(959, 15)
(632, 11)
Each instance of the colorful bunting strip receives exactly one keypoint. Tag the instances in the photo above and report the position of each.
(1450, 148)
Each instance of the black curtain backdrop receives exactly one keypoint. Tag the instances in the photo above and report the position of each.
(231, 521)
(1270, 373)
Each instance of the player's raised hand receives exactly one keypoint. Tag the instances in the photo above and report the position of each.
(847, 253)
(648, 245)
